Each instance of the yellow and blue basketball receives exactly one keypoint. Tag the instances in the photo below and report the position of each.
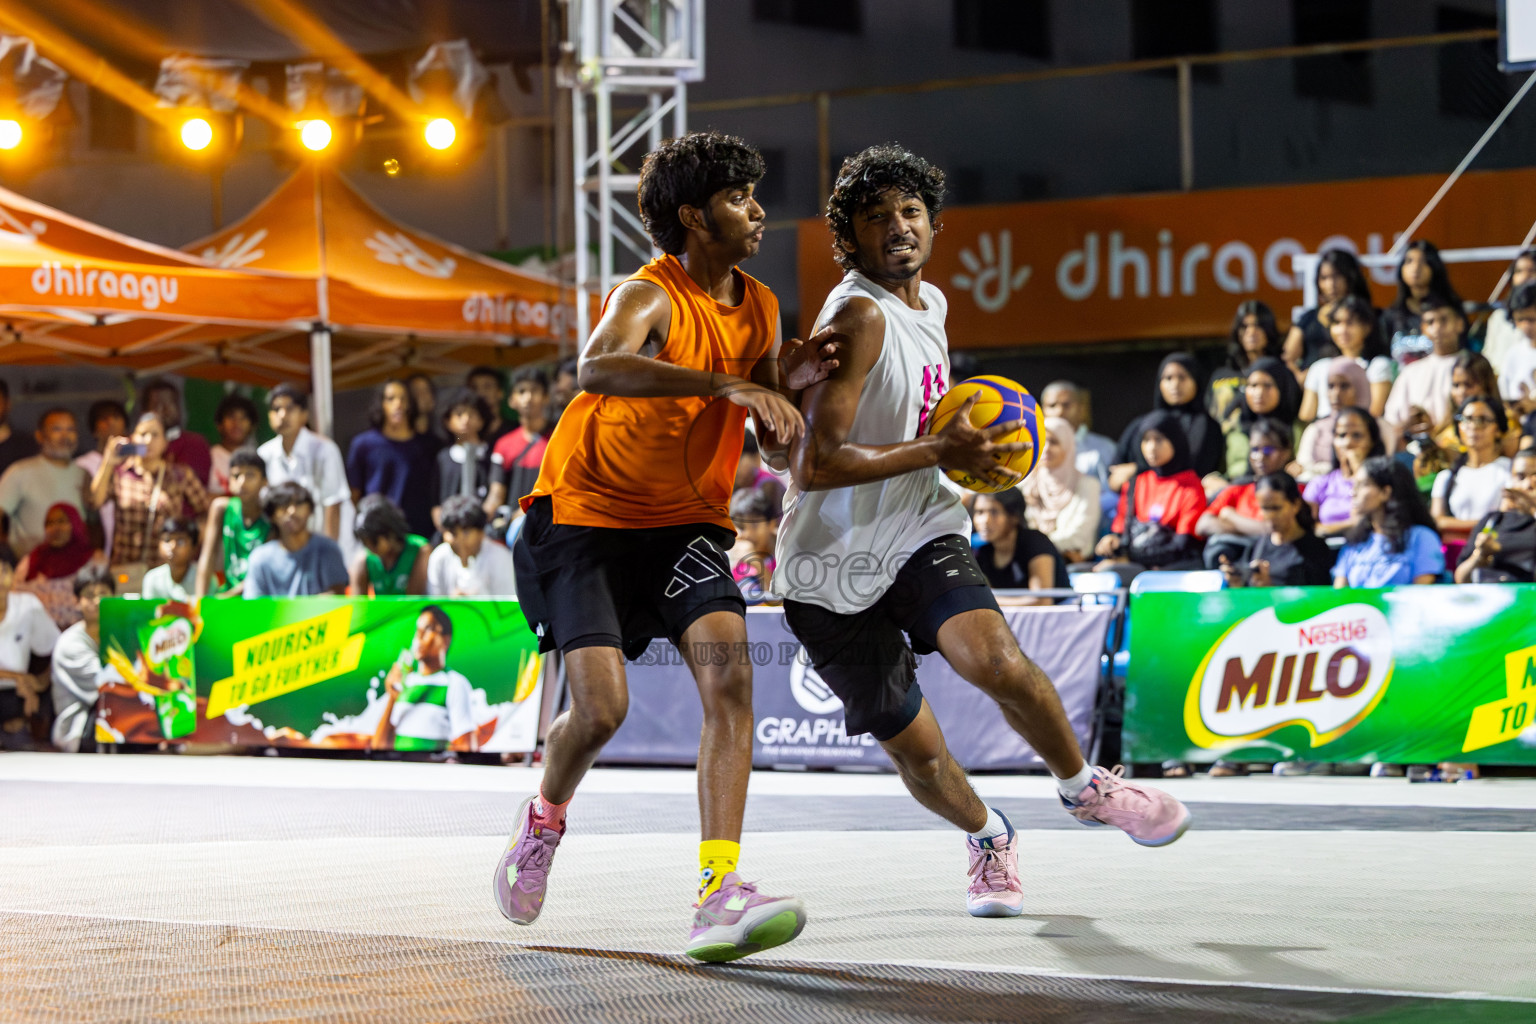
(1000, 401)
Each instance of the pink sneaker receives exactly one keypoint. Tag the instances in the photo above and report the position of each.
(737, 921)
(1149, 816)
(995, 890)
(522, 874)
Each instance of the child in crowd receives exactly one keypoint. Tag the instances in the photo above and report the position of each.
(26, 632)
(1392, 540)
(297, 562)
(467, 563)
(1355, 336)
(1154, 527)
(1503, 548)
(76, 663)
(235, 419)
(1425, 383)
(393, 560)
(464, 466)
(235, 527)
(1012, 556)
(1356, 437)
(175, 578)
(755, 511)
(1472, 486)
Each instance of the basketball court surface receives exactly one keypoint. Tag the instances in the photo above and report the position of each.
(148, 888)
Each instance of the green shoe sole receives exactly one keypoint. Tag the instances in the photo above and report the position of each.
(775, 931)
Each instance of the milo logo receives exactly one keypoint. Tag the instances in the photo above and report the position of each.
(166, 642)
(1325, 673)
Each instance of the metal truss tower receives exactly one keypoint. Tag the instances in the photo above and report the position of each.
(638, 56)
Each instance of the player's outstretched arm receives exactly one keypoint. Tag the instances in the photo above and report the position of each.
(638, 317)
(824, 458)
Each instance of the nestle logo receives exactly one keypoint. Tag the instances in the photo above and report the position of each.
(1332, 633)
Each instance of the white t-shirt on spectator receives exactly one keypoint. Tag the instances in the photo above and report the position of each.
(1477, 491)
(1425, 383)
(488, 574)
(29, 488)
(1519, 368)
(316, 463)
(1380, 370)
(76, 672)
(26, 630)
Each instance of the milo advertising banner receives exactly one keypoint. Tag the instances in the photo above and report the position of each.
(1407, 675)
(392, 673)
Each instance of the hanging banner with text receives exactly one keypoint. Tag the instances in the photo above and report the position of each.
(392, 673)
(1408, 675)
(798, 720)
(1175, 265)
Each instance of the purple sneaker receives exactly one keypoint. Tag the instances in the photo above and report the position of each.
(737, 921)
(995, 889)
(1149, 816)
(523, 871)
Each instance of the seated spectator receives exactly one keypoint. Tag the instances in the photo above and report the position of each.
(234, 529)
(756, 512)
(148, 489)
(1232, 520)
(235, 419)
(1425, 383)
(1338, 276)
(305, 457)
(1271, 391)
(1060, 501)
(184, 447)
(393, 561)
(297, 562)
(1095, 452)
(1154, 527)
(1501, 337)
(1355, 336)
(26, 632)
(1254, 336)
(1287, 553)
(1012, 556)
(1347, 385)
(33, 485)
(107, 419)
(391, 459)
(14, 446)
(516, 459)
(464, 466)
(490, 385)
(467, 563)
(1517, 377)
(76, 665)
(49, 569)
(1503, 548)
(1177, 395)
(175, 578)
(1356, 437)
(1472, 376)
(1420, 274)
(1392, 540)
(1475, 483)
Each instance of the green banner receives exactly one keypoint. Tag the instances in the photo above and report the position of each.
(1408, 675)
(397, 673)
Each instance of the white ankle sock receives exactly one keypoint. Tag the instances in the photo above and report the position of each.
(1070, 788)
(996, 825)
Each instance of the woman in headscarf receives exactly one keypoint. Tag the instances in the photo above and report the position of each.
(1059, 501)
(1270, 391)
(1348, 385)
(49, 570)
(1178, 394)
(1154, 527)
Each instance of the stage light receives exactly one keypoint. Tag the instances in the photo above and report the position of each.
(315, 135)
(10, 134)
(391, 167)
(440, 133)
(196, 133)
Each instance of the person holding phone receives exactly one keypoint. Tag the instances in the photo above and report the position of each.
(148, 489)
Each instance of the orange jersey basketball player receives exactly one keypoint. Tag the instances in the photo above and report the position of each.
(628, 526)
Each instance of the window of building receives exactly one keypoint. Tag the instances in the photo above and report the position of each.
(832, 15)
(1004, 26)
(1471, 84)
(1342, 77)
(1176, 28)
(114, 127)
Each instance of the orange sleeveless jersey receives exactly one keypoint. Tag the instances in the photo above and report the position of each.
(632, 463)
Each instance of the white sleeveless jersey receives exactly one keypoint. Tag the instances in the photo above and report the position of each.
(841, 548)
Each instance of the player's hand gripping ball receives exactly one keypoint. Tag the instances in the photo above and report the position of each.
(1000, 401)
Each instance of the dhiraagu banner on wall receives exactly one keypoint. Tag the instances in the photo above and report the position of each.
(393, 673)
(1406, 675)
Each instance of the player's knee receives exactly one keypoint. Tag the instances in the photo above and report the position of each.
(601, 717)
(993, 668)
(726, 688)
(923, 764)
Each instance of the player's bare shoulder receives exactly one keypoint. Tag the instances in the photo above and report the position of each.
(637, 305)
(859, 323)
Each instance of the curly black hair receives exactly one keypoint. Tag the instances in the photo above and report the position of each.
(867, 176)
(686, 172)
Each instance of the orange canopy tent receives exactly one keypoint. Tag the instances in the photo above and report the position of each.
(71, 291)
(393, 297)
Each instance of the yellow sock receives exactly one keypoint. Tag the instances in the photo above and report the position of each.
(717, 858)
